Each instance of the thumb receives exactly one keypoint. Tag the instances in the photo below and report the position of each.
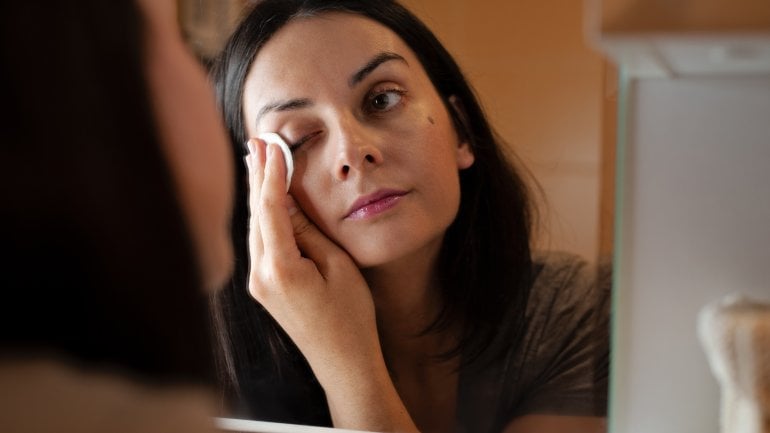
(311, 241)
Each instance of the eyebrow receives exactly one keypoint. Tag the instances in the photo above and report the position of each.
(356, 78)
(372, 64)
(291, 104)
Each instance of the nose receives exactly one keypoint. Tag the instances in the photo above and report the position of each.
(358, 150)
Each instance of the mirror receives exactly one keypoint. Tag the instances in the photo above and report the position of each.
(549, 96)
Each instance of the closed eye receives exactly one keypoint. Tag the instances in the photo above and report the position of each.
(295, 145)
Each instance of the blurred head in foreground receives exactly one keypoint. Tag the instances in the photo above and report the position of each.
(115, 184)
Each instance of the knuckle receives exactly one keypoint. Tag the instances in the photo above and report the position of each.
(258, 290)
(279, 277)
(301, 225)
(267, 202)
(336, 260)
(272, 279)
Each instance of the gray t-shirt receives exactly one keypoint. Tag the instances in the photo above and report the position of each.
(562, 365)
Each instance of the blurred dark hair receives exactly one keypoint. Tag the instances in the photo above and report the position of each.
(98, 267)
(485, 265)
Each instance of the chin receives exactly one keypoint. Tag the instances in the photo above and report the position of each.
(412, 237)
(372, 259)
(378, 254)
(373, 254)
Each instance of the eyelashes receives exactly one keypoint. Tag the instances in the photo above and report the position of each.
(384, 100)
(301, 141)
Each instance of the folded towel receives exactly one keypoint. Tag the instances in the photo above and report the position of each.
(735, 334)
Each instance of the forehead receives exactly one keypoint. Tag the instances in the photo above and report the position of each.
(327, 46)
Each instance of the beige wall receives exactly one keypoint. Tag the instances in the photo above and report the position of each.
(633, 16)
(544, 92)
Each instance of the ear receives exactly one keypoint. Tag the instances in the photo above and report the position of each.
(465, 157)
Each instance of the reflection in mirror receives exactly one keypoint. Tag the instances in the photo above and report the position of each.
(415, 280)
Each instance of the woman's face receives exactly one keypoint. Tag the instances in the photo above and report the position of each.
(193, 139)
(375, 152)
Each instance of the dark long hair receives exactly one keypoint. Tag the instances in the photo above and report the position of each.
(97, 267)
(484, 265)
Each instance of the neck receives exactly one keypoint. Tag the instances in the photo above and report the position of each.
(407, 298)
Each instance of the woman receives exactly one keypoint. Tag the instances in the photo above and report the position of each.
(395, 284)
(114, 223)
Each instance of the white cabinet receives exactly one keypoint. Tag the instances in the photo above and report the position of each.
(693, 210)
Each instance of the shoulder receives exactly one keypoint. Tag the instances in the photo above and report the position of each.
(554, 269)
(566, 283)
(562, 365)
(569, 303)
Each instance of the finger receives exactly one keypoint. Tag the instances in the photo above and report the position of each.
(312, 242)
(276, 230)
(255, 162)
(275, 167)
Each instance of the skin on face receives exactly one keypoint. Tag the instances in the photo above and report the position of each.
(193, 139)
(355, 104)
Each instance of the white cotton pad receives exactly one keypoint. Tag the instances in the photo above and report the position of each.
(272, 137)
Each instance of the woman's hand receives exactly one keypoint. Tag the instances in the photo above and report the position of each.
(315, 292)
(310, 286)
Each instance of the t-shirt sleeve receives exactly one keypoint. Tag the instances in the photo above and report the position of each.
(563, 365)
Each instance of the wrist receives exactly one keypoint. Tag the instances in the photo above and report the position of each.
(365, 398)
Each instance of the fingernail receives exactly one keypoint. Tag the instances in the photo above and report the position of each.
(250, 146)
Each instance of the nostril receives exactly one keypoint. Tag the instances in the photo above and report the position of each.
(345, 169)
(369, 158)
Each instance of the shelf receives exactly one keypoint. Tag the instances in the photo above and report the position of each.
(664, 38)
(681, 54)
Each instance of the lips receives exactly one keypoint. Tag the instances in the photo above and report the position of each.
(374, 204)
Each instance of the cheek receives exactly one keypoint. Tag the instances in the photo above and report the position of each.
(311, 192)
(438, 160)
(303, 181)
(436, 146)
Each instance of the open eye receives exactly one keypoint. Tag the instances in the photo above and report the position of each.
(382, 101)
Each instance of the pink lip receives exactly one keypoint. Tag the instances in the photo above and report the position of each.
(374, 204)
